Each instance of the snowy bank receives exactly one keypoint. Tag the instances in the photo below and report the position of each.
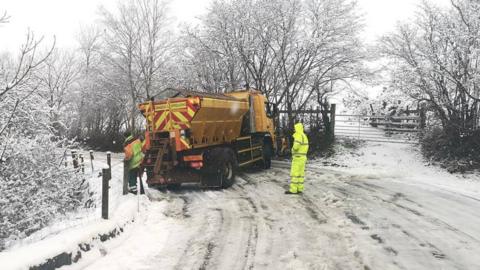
(73, 242)
(69, 237)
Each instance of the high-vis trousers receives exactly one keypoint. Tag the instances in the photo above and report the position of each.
(297, 173)
(132, 177)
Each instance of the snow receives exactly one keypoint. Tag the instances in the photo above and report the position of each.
(403, 163)
(66, 232)
(67, 240)
(362, 216)
(377, 207)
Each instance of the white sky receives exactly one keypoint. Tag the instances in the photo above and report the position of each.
(63, 18)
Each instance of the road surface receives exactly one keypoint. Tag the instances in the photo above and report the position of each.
(377, 207)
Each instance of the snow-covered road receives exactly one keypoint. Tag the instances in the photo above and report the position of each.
(377, 207)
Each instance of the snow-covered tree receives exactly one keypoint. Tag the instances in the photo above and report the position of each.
(291, 50)
(34, 185)
(138, 47)
(435, 60)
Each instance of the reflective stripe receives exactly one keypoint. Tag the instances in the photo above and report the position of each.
(301, 143)
(300, 154)
(128, 138)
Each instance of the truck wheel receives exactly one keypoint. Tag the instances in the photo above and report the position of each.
(228, 164)
(221, 168)
(267, 156)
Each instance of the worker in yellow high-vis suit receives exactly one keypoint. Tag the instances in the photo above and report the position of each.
(299, 159)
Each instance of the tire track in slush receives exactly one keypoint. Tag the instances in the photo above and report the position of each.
(220, 227)
(206, 242)
(373, 190)
(394, 201)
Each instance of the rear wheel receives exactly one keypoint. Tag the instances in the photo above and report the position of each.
(221, 168)
(228, 175)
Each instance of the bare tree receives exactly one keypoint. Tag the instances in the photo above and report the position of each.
(4, 18)
(137, 46)
(435, 59)
(28, 62)
(18, 81)
(57, 78)
(290, 50)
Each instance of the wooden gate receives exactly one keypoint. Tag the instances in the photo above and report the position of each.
(381, 128)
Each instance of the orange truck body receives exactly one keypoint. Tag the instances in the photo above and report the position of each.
(186, 128)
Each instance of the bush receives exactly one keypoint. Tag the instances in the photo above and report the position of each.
(36, 188)
(456, 154)
(320, 144)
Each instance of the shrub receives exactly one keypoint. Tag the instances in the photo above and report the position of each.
(456, 154)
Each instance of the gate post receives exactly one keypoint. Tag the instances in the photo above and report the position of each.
(333, 108)
(423, 117)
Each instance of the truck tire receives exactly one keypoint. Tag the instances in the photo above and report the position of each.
(230, 168)
(221, 168)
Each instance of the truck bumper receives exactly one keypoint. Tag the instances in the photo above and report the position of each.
(175, 177)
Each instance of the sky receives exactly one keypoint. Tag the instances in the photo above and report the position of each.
(63, 18)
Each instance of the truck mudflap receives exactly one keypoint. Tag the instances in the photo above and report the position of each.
(175, 176)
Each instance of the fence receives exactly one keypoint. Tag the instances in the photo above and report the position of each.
(78, 163)
(313, 119)
(381, 128)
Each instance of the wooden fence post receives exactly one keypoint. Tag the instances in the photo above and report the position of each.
(109, 160)
(106, 176)
(74, 159)
(333, 108)
(91, 159)
(125, 177)
(82, 164)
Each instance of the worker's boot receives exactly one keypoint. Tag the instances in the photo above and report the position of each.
(289, 192)
(132, 190)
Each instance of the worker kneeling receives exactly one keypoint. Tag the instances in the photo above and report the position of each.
(299, 159)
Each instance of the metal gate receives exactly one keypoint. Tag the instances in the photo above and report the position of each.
(391, 129)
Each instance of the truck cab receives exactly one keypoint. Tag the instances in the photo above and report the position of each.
(260, 114)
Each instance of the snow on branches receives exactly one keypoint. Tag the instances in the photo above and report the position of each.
(435, 59)
(35, 188)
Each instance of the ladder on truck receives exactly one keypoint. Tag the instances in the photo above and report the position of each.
(159, 159)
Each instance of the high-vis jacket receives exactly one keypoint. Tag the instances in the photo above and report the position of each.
(133, 152)
(300, 142)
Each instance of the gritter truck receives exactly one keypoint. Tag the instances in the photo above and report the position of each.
(204, 138)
